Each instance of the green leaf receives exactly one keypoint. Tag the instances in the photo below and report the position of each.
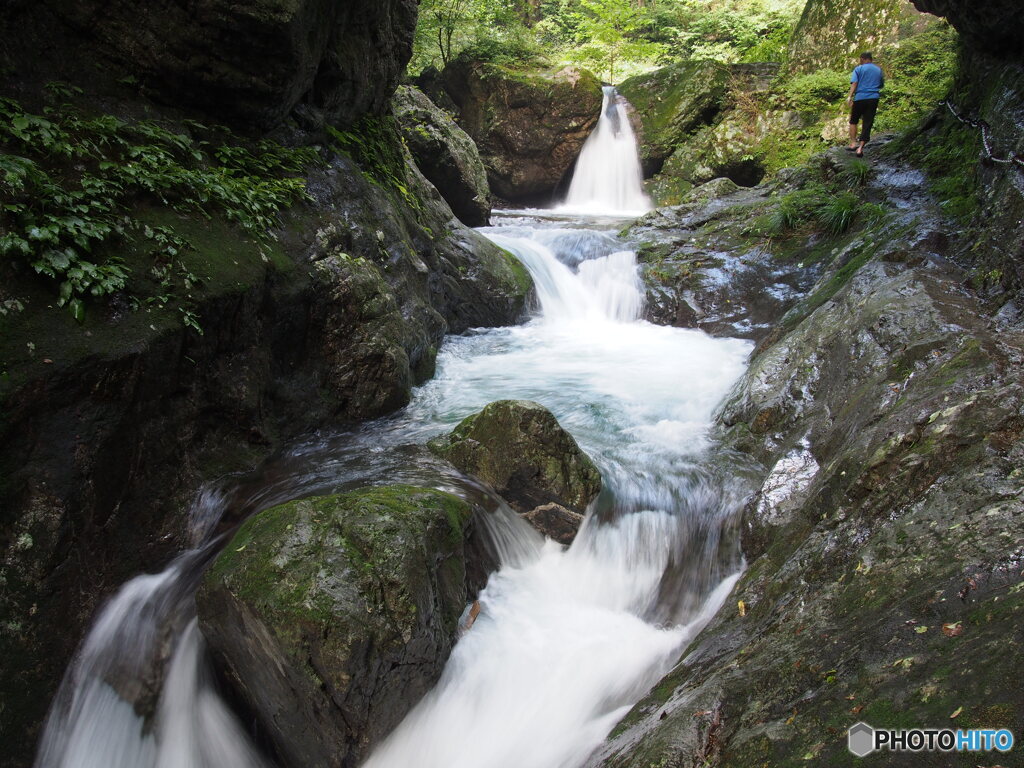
(77, 309)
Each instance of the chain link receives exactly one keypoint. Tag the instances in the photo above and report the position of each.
(1012, 158)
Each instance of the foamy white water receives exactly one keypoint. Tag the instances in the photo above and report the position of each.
(565, 644)
(608, 178)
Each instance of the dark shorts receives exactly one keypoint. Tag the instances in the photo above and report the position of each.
(863, 109)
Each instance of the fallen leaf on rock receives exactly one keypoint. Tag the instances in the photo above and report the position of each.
(921, 630)
(856, 710)
(956, 714)
(742, 608)
(952, 629)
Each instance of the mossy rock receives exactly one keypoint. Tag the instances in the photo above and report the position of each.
(672, 103)
(831, 33)
(519, 449)
(445, 154)
(332, 616)
(529, 123)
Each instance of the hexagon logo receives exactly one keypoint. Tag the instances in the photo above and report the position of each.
(860, 739)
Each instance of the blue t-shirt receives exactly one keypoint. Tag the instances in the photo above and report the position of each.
(869, 79)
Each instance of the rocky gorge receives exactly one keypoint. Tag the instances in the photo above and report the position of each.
(877, 426)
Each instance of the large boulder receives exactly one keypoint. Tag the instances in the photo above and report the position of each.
(831, 33)
(529, 125)
(247, 64)
(520, 450)
(673, 102)
(331, 617)
(445, 154)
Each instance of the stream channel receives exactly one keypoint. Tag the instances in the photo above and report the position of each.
(567, 638)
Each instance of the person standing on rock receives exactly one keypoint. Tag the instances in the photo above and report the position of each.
(866, 83)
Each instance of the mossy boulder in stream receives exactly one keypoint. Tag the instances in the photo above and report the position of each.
(445, 154)
(331, 617)
(520, 450)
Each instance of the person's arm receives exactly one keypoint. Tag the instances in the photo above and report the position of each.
(853, 87)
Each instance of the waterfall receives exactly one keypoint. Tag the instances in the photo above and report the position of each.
(566, 639)
(608, 178)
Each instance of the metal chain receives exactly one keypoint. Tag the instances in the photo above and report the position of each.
(986, 138)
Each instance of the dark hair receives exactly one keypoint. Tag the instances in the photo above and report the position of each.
(866, 55)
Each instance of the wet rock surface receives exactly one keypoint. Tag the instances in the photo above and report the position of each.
(518, 448)
(884, 544)
(331, 617)
(445, 154)
(702, 270)
(529, 125)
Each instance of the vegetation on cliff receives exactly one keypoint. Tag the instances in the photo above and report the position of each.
(613, 37)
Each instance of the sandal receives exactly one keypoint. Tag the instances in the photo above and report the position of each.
(859, 152)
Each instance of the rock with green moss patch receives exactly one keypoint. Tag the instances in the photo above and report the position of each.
(445, 154)
(529, 124)
(673, 102)
(520, 450)
(331, 617)
(831, 33)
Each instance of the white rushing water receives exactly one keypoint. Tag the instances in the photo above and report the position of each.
(608, 178)
(566, 643)
(567, 639)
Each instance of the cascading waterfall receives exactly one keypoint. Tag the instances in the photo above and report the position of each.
(567, 639)
(608, 178)
(566, 643)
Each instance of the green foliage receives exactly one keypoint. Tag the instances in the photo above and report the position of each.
(374, 143)
(813, 93)
(614, 37)
(608, 30)
(818, 206)
(728, 31)
(857, 173)
(919, 72)
(448, 27)
(837, 212)
(71, 184)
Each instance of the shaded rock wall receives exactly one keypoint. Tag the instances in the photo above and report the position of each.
(528, 125)
(107, 429)
(993, 26)
(249, 65)
(104, 447)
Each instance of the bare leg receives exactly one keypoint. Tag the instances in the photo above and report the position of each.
(853, 135)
